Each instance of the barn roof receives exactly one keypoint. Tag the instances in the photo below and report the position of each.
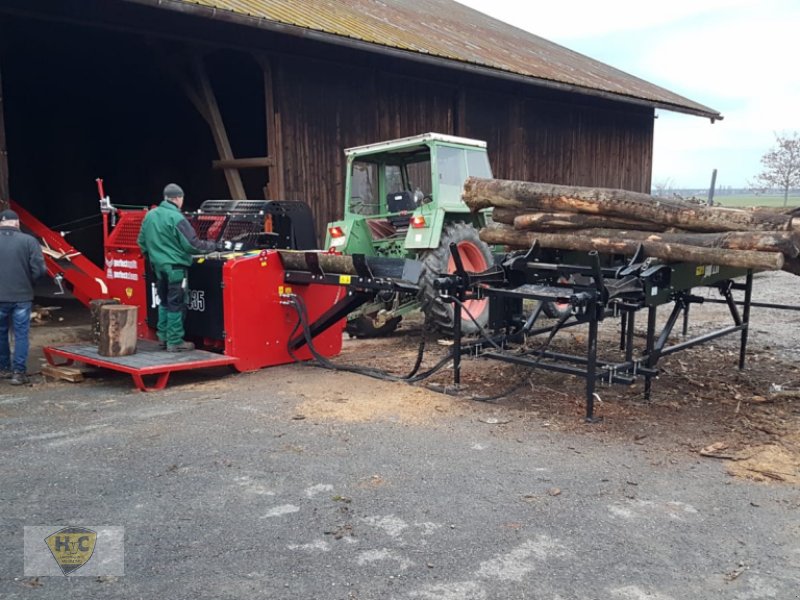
(445, 32)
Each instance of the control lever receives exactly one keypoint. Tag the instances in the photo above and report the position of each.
(59, 281)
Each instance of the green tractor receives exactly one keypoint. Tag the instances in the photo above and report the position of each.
(403, 199)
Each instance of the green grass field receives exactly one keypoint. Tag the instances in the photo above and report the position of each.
(748, 200)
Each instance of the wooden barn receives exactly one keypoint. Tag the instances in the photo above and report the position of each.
(258, 98)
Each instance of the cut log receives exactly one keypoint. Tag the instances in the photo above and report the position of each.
(329, 263)
(560, 221)
(785, 242)
(117, 330)
(506, 215)
(94, 310)
(542, 197)
(745, 259)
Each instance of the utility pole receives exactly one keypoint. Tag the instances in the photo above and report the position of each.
(712, 188)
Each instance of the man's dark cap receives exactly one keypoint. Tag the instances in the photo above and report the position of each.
(173, 190)
(9, 215)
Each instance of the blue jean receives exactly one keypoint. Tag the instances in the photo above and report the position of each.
(17, 314)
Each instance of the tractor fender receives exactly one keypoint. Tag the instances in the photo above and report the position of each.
(428, 237)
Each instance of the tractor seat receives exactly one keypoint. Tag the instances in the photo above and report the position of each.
(403, 203)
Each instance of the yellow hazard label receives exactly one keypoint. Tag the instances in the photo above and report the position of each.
(699, 270)
(344, 279)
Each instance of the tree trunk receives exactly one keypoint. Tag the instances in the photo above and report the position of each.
(786, 242)
(541, 197)
(559, 221)
(117, 330)
(329, 263)
(746, 259)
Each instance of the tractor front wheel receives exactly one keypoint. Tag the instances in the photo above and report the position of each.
(365, 326)
(476, 256)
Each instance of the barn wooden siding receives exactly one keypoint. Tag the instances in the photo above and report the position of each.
(326, 107)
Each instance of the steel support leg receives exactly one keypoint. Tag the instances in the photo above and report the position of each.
(591, 365)
(748, 292)
(651, 334)
(456, 344)
(685, 330)
(629, 336)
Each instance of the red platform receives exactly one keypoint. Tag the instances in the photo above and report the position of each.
(149, 360)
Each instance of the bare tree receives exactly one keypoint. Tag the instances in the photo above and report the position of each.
(781, 165)
(662, 186)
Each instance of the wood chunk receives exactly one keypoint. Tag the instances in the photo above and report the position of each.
(64, 372)
(117, 330)
(94, 309)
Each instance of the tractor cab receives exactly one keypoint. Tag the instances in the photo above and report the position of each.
(399, 194)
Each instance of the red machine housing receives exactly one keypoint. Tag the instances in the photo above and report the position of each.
(124, 267)
(258, 322)
(254, 321)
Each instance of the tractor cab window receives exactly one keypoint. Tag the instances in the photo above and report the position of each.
(364, 189)
(419, 178)
(394, 179)
(452, 173)
(478, 164)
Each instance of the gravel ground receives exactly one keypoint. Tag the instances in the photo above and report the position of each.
(299, 483)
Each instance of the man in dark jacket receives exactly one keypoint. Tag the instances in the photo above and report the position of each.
(168, 241)
(21, 264)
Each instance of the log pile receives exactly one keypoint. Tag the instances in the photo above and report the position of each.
(615, 221)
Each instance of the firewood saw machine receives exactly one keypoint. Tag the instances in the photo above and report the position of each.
(275, 299)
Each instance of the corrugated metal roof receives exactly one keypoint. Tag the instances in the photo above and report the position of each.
(447, 30)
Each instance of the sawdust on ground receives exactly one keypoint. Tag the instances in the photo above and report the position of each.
(777, 462)
(350, 397)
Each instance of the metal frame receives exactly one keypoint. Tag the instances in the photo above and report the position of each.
(199, 359)
(621, 291)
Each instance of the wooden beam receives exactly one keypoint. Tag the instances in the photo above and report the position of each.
(461, 111)
(275, 187)
(5, 192)
(218, 132)
(243, 163)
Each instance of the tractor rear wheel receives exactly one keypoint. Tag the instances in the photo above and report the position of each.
(476, 256)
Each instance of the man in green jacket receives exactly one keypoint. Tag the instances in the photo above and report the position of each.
(168, 241)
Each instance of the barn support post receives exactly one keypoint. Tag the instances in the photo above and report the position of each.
(190, 73)
(275, 188)
(460, 111)
(217, 125)
(5, 192)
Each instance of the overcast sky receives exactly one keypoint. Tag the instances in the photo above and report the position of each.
(740, 57)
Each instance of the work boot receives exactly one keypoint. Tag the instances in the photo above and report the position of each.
(182, 347)
(5, 374)
(18, 378)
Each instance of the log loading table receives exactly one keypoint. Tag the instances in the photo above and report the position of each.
(149, 361)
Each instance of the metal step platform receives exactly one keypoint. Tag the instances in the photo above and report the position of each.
(149, 361)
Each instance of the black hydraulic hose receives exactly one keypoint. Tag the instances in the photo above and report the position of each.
(299, 306)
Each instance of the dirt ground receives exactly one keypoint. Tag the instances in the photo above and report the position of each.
(701, 403)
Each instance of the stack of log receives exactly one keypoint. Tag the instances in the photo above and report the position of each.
(614, 221)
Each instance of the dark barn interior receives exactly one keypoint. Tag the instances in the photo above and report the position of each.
(142, 96)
